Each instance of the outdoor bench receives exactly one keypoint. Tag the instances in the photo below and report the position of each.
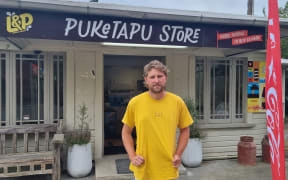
(30, 150)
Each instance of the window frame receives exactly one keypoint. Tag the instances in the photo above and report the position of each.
(51, 115)
(11, 98)
(6, 84)
(207, 64)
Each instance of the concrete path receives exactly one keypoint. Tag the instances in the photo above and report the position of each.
(228, 169)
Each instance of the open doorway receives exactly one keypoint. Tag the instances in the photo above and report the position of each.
(123, 79)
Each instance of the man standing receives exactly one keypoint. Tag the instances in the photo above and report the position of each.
(156, 114)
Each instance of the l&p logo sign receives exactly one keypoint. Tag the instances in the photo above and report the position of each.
(18, 23)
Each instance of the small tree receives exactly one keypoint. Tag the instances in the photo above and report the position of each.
(83, 124)
(82, 135)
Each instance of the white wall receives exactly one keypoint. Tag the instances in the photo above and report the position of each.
(85, 85)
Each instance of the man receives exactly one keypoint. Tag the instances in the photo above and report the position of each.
(156, 114)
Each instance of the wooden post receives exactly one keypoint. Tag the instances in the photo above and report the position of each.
(14, 141)
(46, 141)
(58, 140)
(3, 144)
(57, 165)
(25, 142)
(36, 141)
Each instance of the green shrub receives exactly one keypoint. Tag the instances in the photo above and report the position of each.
(82, 134)
(194, 129)
(78, 137)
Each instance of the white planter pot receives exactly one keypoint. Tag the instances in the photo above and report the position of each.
(79, 161)
(192, 155)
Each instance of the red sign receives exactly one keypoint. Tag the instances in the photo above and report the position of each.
(239, 37)
(233, 34)
(248, 39)
(274, 109)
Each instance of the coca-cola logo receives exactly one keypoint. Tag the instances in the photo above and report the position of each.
(272, 114)
(274, 97)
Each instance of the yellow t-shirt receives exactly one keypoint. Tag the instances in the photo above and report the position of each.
(156, 122)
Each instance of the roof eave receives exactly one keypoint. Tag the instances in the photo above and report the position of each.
(139, 12)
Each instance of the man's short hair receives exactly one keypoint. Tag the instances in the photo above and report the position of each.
(155, 64)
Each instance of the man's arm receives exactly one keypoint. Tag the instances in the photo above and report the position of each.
(182, 142)
(128, 142)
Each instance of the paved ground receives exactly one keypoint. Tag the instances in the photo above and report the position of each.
(228, 170)
(209, 170)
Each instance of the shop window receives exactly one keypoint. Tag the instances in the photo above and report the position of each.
(31, 88)
(219, 92)
(220, 89)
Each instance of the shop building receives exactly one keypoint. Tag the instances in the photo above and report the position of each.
(57, 55)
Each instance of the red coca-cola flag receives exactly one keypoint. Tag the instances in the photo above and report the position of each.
(274, 109)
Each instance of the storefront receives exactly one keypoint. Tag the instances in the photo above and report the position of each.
(58, 55)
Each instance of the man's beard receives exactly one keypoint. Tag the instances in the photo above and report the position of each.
(157, 89)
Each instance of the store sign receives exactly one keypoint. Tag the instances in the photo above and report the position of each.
(274, 107)
(76, 27)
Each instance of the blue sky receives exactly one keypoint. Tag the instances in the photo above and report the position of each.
(221, 6)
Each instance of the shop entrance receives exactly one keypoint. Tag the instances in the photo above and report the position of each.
(123, 79)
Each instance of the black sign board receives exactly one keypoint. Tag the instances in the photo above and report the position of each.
(96, 28)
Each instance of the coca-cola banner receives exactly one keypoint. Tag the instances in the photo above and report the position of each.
(79, 27)
(274, 109)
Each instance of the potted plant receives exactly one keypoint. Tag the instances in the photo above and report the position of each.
(192, 155)
(79, 160)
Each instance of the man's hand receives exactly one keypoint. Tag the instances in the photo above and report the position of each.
(128, 142)
(182, 142)
(176, 161)
(137, 160)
